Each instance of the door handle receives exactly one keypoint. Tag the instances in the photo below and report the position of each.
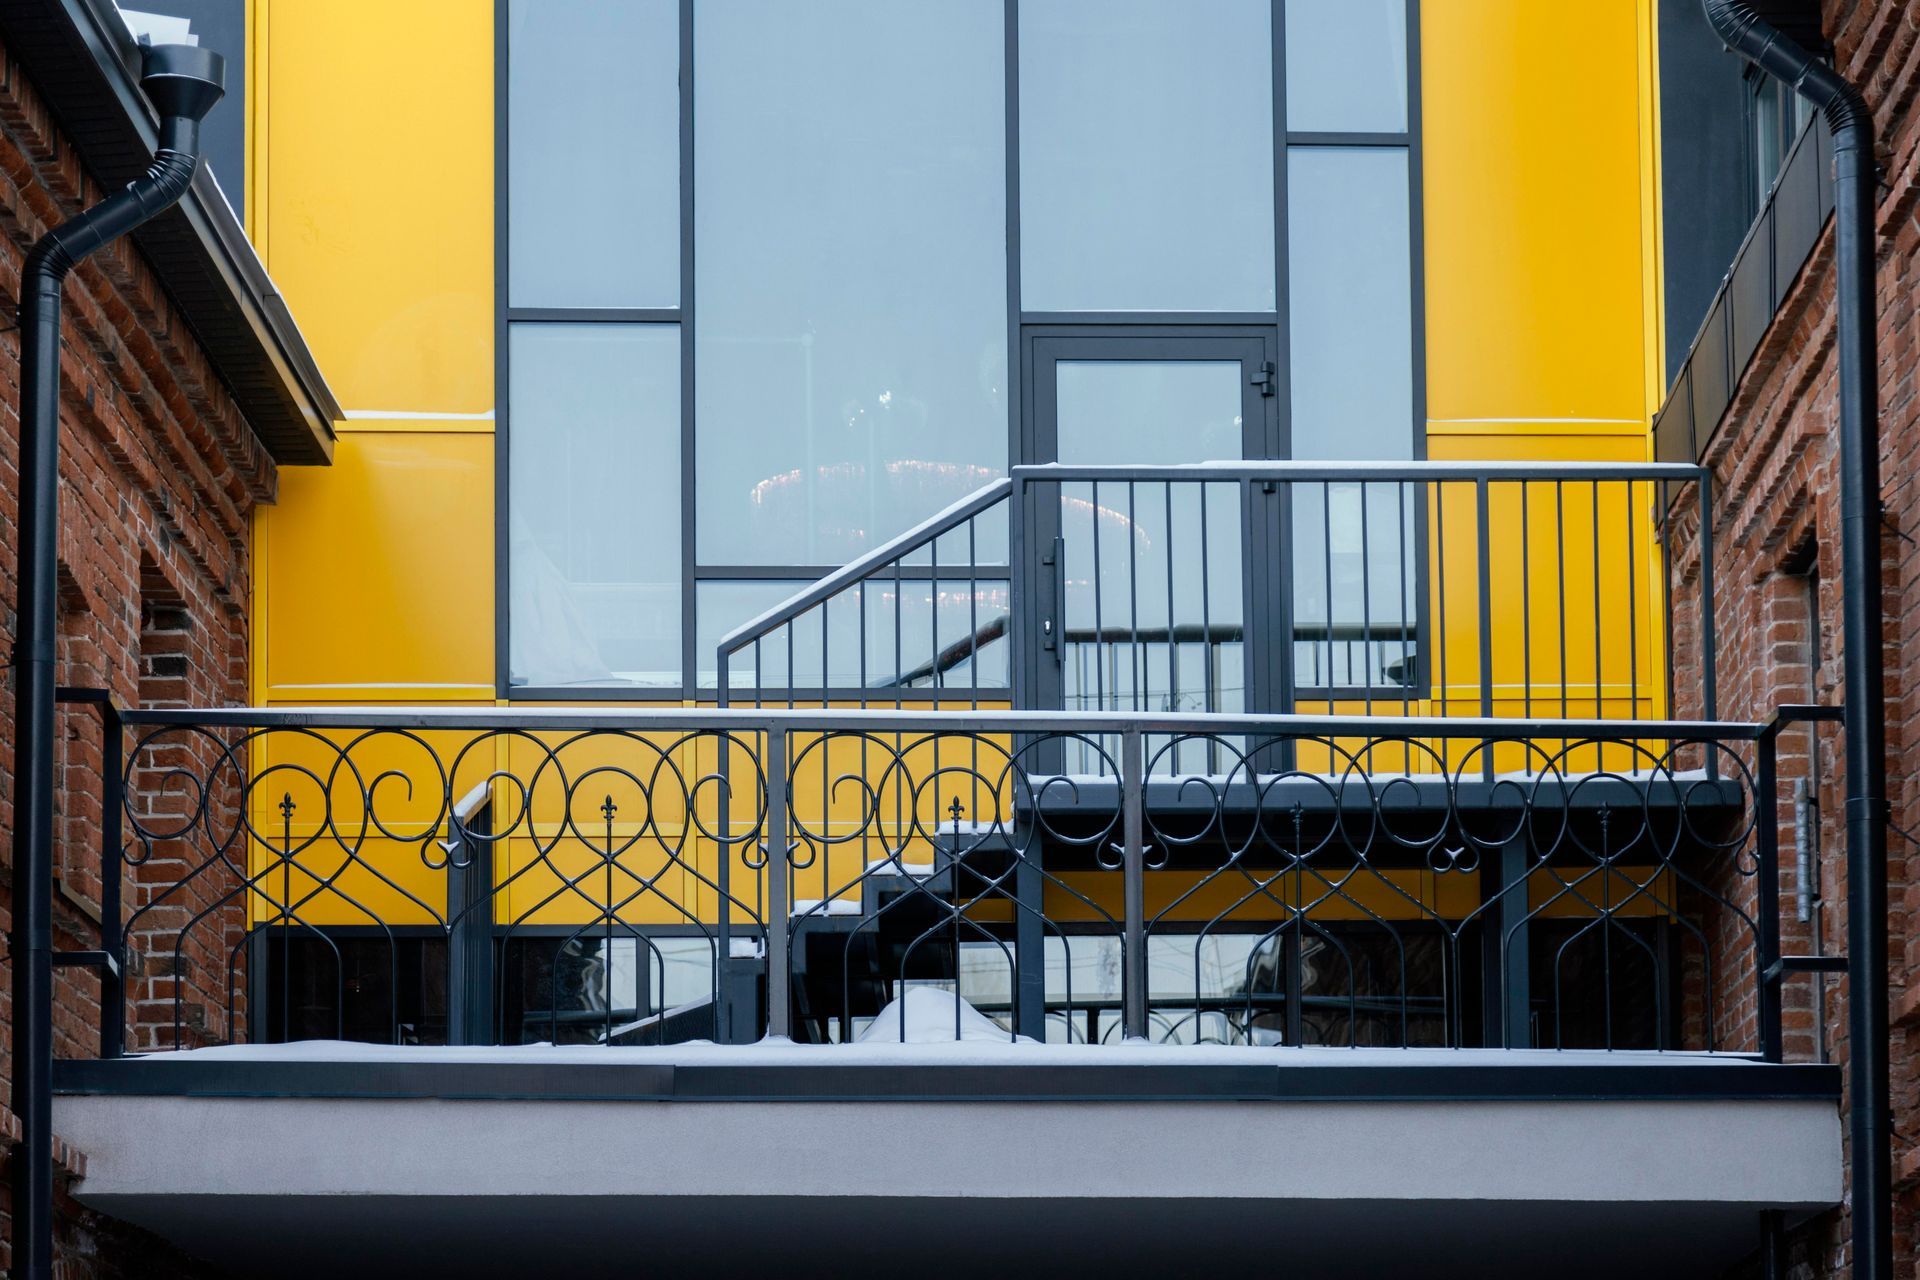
(1053, 624)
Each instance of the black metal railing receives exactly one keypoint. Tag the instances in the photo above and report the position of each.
(627, 876)
(1406, 589)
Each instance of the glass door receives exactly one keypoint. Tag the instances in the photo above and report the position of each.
(1143, 582)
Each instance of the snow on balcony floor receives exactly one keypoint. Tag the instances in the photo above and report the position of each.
(785, 1053)
(929, 1023)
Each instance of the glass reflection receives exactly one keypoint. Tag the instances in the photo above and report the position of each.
(851, 274)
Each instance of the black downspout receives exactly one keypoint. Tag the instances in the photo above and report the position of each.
(1855, 198)
(183, 83)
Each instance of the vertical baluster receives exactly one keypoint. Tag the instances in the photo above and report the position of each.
(1560, 555)
(1134, 668)
(1526, 610)
(1665, 526)
(1134, 883)
(779, 1001)
(899, 682)
(865, 679)
(1440, 568)
(1173, 671)
(1599, 670)
(1767, 948)
(1326, 555)
(1633, 613)
(1099, 646)
(973, 657)
(939, 676)
(113, 990)
(1411, 649)
(1366, 598)
(1210, 679)
(1483, 533)
(827, 849)
(1709, 679)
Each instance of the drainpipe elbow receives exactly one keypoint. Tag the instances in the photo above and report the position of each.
(1747, 34)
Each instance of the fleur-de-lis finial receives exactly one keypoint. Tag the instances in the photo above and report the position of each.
(287, 805)
(955, 810)
(608, 808)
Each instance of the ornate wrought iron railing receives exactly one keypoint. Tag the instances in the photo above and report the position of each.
(1405, 589)
(630, 876)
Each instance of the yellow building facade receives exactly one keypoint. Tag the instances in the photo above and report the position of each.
(374, 197)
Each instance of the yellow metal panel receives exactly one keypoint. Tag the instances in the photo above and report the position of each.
(376, 573)
(347, 826)
(377, 190)
(1534, 171)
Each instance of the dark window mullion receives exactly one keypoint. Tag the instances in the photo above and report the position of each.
(593, 315)
(1323, 139)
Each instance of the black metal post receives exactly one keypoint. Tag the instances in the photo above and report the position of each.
(470, 942)
(1855, 199)
(113, 981)
(184, 83)
(778, 869)
(1766, 950)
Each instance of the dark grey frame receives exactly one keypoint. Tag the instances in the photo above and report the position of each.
(1275, 323)
(1263, 437)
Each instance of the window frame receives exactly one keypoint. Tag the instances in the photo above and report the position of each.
(1021, 324)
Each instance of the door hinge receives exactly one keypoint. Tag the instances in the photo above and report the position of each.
(1264, 379)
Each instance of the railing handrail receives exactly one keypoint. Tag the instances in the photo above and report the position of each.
(956, 514)
(893, 720)
(1401, 471)
(890, 554)
(928, 530)
(765, 861)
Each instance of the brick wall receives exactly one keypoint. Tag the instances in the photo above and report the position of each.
(1777, 546)
(159, 474)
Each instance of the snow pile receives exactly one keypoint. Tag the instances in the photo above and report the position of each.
(927, 1015)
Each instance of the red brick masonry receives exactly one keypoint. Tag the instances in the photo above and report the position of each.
(159, 476)
(1777, 580)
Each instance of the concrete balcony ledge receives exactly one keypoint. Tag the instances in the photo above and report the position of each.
(966, 1070)
(954, 1158)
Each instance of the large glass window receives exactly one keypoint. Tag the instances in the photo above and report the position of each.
(851, 314)
(594, 531)
(1146, 155)
(1350, 303)
(593, 188)
(839, 370)
(1357, 567)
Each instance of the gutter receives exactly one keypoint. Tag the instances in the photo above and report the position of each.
(1855, 198)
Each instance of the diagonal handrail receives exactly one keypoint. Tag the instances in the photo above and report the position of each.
(854, 571)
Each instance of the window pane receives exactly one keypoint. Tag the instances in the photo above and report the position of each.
(1146, 145)
(593, 184)
(594, 457)
(1351, 303)
(1146, 412)
(1152, 569)
(1347, 66)
(1354, 572)
(852, 348)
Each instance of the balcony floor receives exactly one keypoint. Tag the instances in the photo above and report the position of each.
(953, 1159)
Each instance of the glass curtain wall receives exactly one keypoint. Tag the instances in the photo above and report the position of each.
(592, 352)
(760, 287)
(1351, 289)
